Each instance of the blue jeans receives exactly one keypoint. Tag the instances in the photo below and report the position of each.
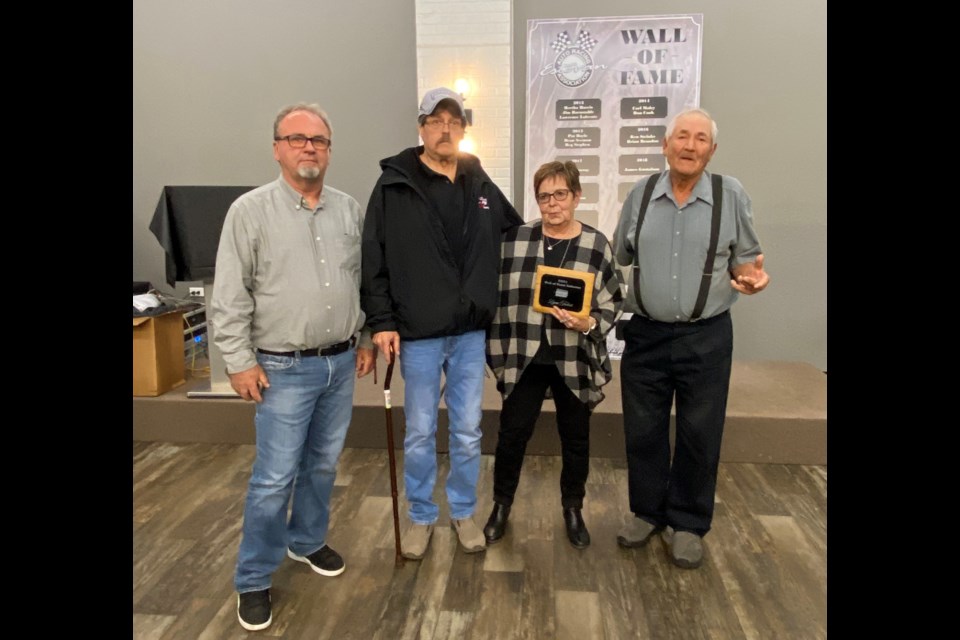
(462, 359)
(301, 426)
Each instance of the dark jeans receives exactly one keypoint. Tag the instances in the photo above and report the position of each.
(689, 361)
(517, 419)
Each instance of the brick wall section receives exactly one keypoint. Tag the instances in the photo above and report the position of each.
(472, 40)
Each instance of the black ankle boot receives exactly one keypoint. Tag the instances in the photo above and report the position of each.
(576, 529)
(496, 523)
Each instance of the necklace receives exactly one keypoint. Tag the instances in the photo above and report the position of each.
(557, 243)
(549, 246)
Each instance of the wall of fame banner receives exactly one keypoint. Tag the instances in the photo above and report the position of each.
(600, 92)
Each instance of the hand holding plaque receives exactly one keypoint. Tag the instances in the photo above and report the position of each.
(567, 289)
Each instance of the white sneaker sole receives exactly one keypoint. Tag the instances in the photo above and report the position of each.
(323, 572)
(252, 627)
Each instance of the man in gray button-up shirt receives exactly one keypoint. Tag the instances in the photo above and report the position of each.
(286, 315)
(672, 350)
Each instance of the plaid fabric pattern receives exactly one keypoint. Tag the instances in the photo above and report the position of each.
(516, 331)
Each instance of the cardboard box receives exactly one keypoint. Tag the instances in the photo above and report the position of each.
(158, 363)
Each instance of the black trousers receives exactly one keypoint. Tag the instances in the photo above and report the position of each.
(690, 362)
(517, 419)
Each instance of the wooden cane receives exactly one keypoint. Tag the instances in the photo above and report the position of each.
(393, 463)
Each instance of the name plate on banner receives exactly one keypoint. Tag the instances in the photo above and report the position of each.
(641, 165)
(587, 165)
(642, 136)
(577, 138)
(588, 109)
(567, 289)
(655, 107)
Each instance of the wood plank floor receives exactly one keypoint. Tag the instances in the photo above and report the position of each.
(763, 576)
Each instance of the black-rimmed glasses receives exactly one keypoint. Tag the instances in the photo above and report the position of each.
(299, 141)
(560, 195)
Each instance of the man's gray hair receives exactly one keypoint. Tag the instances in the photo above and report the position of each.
(703, 112)
(311, 107)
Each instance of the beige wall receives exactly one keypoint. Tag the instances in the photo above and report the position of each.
(209, 76)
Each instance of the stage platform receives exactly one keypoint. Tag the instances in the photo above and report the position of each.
(776, 413)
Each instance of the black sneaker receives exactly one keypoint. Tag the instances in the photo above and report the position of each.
(253, 610)
(324, 561)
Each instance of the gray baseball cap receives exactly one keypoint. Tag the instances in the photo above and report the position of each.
(433, 97)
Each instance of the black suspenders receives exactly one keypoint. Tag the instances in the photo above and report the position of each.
(717, 184)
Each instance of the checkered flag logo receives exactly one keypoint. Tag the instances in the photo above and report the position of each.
(585, 41)
(573, 65)
(562, 41)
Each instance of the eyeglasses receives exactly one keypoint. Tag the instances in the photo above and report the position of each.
(560, 195)
(299, 141)
(436, 124)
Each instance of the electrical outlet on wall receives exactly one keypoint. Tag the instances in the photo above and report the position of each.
(196, 292)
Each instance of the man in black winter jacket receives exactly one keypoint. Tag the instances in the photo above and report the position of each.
(431, 250)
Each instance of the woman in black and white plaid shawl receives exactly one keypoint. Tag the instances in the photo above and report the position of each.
(533, 354)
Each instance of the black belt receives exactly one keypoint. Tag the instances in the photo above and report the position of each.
(332, 350)
(701, 322)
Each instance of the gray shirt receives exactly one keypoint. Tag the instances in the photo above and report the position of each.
(673, 247)
(287, 276)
